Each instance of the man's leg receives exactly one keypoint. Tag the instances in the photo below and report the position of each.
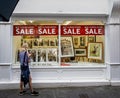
(21, 89)
(30, 83)
(31, 89)
(21, 86)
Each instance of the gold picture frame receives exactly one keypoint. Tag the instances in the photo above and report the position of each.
(82, 41)
(91, 38)
(76, 41)
(95, 50)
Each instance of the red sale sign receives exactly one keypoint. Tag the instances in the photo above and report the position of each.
(82, 30)
(35, 30)
(23, 30)
(47, 30)
(53, 30)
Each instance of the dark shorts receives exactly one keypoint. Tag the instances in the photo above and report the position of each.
(24, 73)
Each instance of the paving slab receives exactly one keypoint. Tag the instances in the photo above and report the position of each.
(67, 92)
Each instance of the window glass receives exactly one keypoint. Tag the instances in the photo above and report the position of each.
(71, 43)
(82, 42)
(41, 38)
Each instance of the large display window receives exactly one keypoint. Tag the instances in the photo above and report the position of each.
(41, 38)
(68, 44)
(82, 42)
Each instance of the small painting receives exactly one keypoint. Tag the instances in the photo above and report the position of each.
(80, 52)
(95, 50)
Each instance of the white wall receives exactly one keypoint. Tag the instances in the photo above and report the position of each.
(5, 52)
(114, 33)
(63, 6)
(114, 36)
(5, 43)
(115, 44)
(110, 6)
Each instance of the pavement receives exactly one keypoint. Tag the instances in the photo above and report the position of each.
(67, 92)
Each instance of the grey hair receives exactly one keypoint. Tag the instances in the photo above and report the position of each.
(25, 45)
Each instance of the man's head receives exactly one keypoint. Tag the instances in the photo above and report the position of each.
(25, 45)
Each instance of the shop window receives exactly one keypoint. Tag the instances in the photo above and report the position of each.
(82, 42)
(41, 38)
(70, 44)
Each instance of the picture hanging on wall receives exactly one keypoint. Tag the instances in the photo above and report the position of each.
(52, 55)
(28, 42)
(42, 55)
(67, 47)
(76, 41)
(91, 38)
(83, 41)
(95, 50)
(80, 52)
(33, 55)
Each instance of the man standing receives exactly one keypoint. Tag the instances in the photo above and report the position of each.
(25, 76)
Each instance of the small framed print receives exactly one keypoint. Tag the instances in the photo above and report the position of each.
(91, 38)
(28, 42)
(40, 42)
(67, 47)
(33, 55)
(81, 52)
(95, 50)
(42, 55)
(52, 42)
(35, 42)
(45, 42)
(82, 41)
(76, 41)
(52, 55)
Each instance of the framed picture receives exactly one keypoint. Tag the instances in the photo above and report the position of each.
(80, 52)
(95, 50)
(52, 42)
(67, 47)
(83, 41)
(100, 38)
(28, 42)
(45, 42)
(40, 42)
(33, 55)
(52, 55)
(42, 55)
(91, 38)
(35, 42)
(76, 41)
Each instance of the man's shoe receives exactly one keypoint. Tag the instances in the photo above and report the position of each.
(34, 93)
(21, 93)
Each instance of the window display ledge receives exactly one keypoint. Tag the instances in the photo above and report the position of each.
(113, 63)
(5, 64)
(66, 65)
